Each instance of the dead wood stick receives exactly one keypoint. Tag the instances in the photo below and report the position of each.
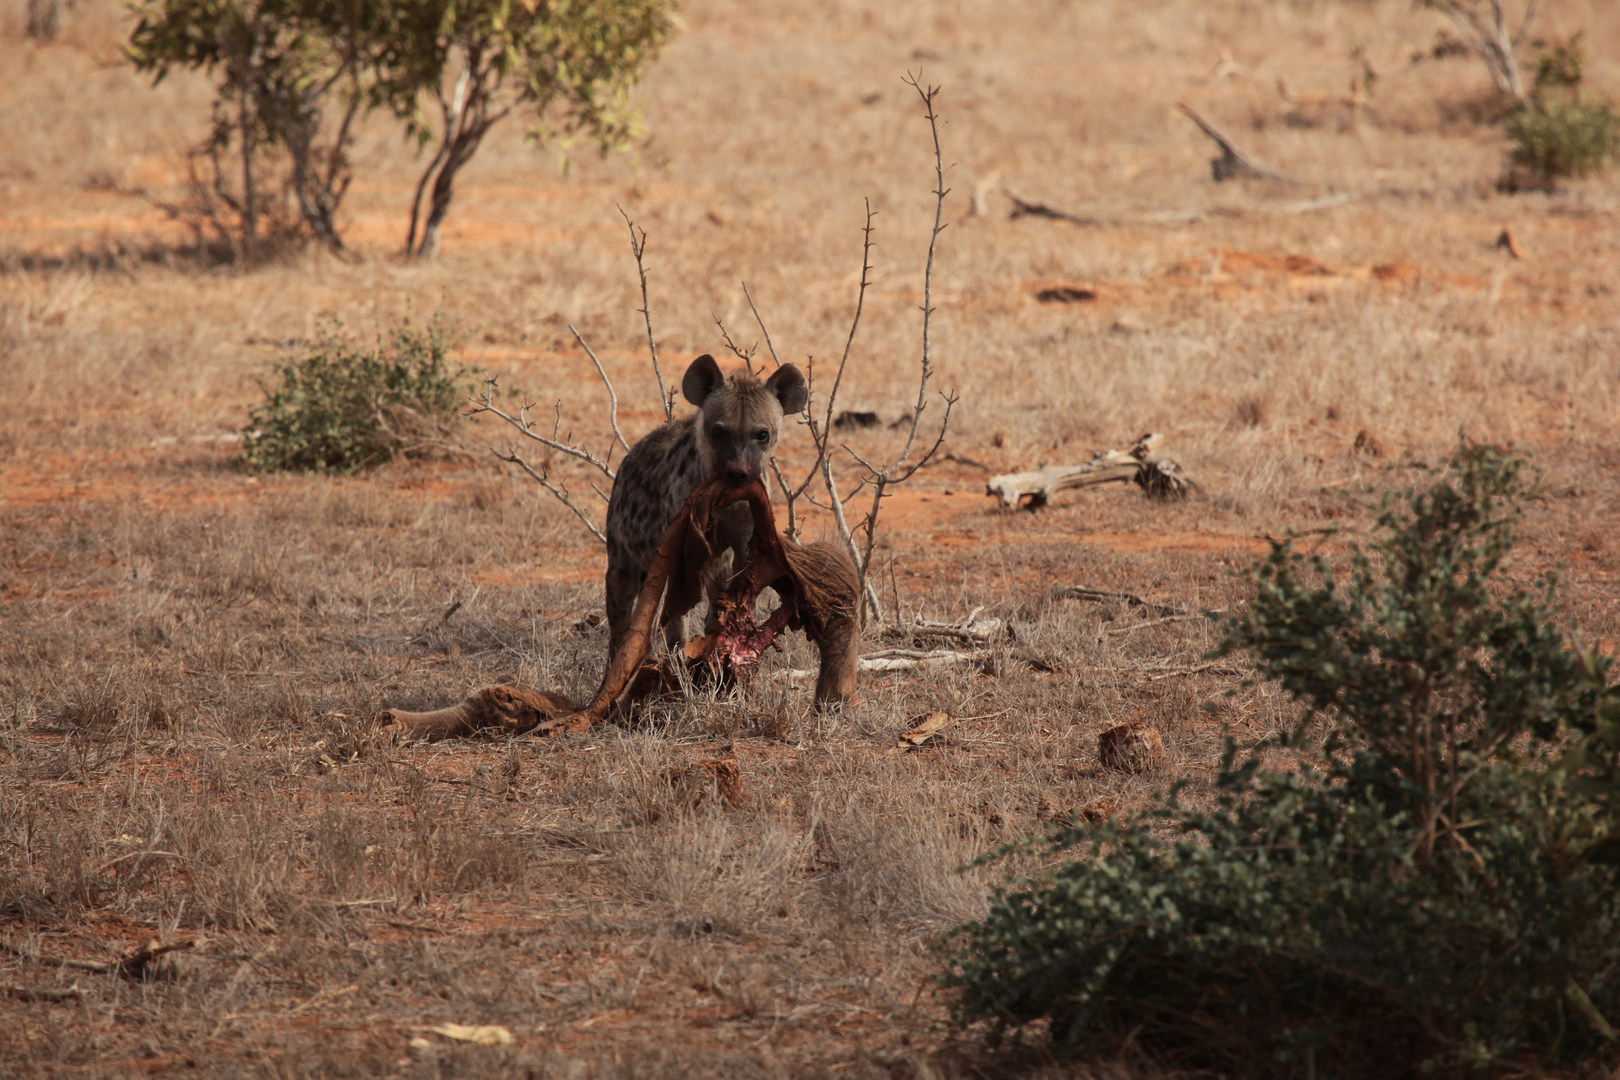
(1232, 162)
(1040, 485)
(971, 629)
(918, 654)
(1219, 669)
(1023, 208)
(28, 993)
(960, 460)
(1311, 206)
(133, 966)
(1083, 592)
(1143, 464)
(1155, 622)
(1160, 674)
(899, 660)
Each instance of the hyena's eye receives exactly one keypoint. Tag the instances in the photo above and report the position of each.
(717, 433)
(762, 436)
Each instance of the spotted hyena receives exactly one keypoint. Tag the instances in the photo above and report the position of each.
(729, 438)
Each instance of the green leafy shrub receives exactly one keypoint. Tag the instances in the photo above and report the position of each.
(1564, 136)
(339, 406)
(1432, 886)
(1558, 132)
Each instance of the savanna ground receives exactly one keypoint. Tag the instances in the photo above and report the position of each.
(191, 655)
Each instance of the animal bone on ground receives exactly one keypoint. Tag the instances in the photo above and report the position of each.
(819, 593)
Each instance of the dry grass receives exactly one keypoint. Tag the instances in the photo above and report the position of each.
(188, 655)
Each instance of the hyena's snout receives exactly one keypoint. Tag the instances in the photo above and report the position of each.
(740, 456)
(741, 467)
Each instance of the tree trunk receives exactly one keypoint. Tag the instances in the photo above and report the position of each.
(250, 200)
(429, 248)
(461, 152)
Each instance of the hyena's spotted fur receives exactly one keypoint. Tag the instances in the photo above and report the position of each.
(730, 438)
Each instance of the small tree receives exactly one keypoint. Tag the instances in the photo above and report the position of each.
(569, 63)
(281, 65)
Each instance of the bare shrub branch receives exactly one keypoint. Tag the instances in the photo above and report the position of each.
(638, 248)
(745, 355)
(821, 433)
(613, 397)
(1483, 25)
(902, 467)
(774, 358)
(557, 441)
(559, 491)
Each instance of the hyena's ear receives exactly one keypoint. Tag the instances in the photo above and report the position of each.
(787, 383)
(701, 379)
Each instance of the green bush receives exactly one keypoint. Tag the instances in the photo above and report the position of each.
(1558, 132)
(339, 406)
(1432, 887)
(1558, 136)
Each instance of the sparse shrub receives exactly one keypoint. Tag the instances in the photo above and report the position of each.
(340, 406)
(1432, 886)
(1558, 137)
(1559, 132)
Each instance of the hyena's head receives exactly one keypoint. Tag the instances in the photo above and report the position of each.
(740, 418)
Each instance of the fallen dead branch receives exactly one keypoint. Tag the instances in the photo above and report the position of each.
(1158, 674)
(1023, 208)
(479, 1034)
(907, 659)
(1084, 592)
(1176, 673)
(900, 660)
(967, 461)
(1143, 464)
(140, 964)
(28, 993)
(1153, 622)
(1193, 215)
(1232, 162)
(971, 629)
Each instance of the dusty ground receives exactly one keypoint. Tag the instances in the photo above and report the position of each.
(189, 655)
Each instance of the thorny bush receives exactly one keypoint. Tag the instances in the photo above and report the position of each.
(1432, 886)
(339, 406)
